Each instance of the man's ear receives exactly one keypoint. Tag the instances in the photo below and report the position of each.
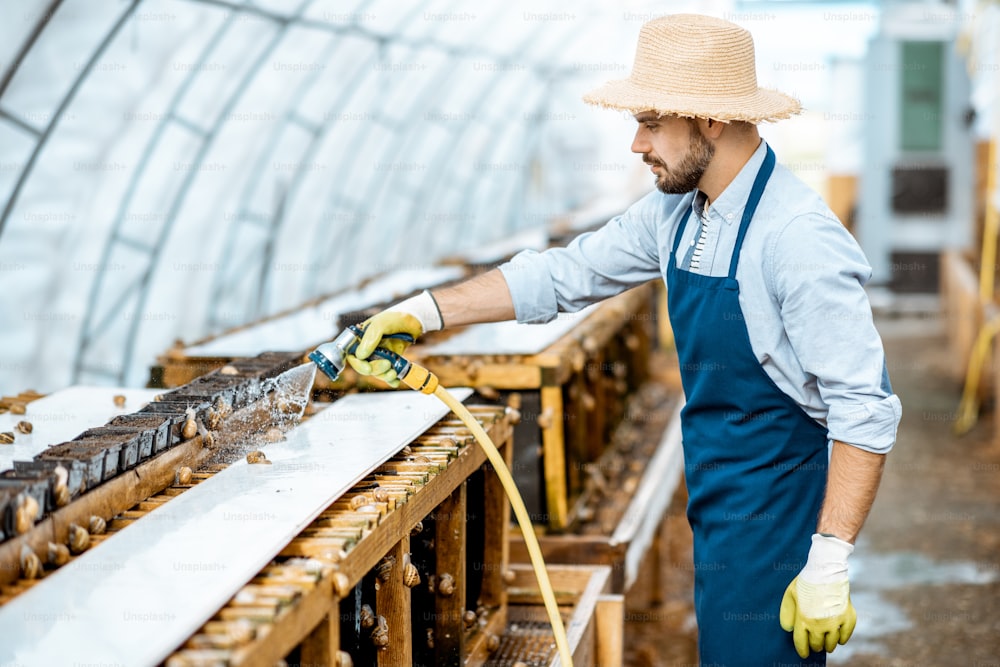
(710, 129)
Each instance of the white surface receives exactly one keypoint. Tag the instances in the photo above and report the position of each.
(642, 517)
(141, 593)
(311, 326)
(509, 337)
(65, 414)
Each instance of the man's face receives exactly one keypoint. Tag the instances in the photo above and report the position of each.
(676, 151)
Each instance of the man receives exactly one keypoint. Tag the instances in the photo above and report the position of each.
(789, 412)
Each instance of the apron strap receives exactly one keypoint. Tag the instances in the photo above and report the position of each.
(755, 194)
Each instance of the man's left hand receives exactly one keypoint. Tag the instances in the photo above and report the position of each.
(816, 607)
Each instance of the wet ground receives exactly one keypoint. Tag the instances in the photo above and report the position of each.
(925, 576)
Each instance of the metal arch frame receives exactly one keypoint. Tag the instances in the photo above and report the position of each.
(436, 165)
(264, 284)
(374, 186)
(141, 287)
(43, 136)
(223, 285)
(319, 248)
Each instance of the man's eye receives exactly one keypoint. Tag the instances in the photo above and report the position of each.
(651, 126)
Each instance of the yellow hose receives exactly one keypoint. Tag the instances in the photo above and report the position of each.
(424, 381)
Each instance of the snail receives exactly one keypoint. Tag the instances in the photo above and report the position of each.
(545, 419)
(119, 400)
(60, 490)
(26, 513)
(79, 538)
(184, 475)
(470, 618)
(18, 409)
(380, 495)
(488, 392)
(366, 617)
(380, 635)
(430, 637)
(58, 554)
(213, 419)
(492, 643)
(7, 438)
(360, 500)
(208, 440)
(31, 564)
(417, 529)
(514, 400)
(228, 370)
(190, 429)
(341, 585)
(446, 585)
(24, 426)
(344, 659)
(411, 576)
(509, 577)
(257, 456)
(97, 525)
(513, 414)
(384, 568)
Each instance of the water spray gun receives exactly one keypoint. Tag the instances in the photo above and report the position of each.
(331, 358)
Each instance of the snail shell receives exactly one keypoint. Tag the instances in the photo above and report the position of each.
(509, 577)
(514, 400)
(545, 418)
(411, 576)
(119, 400)
(380, 635)
(406, 451)
(23, 426)
(380, 495)
(487, 392)
(58, 554)
(79, 538)
(343, 659)
(31, 564)
(341, 585)
(470, 618)
(18, 409)
(97, 525)
(184, 474)
(417, 529)
(384, 568)
(190, 429)
(274, 434)
(257, 457)
(492, 643)
(27, 512)
(430, 637)
(213, 419)
(7, 438)
(366, 617)
(228, 370)
(360, 500)
(60, 493)
(513, 414)
(222, 406)
(446, 585)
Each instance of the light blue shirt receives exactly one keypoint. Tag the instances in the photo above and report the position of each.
(801, 277)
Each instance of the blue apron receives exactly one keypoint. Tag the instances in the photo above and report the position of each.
(755, 467)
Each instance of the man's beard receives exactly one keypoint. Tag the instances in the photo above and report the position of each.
(685, 176)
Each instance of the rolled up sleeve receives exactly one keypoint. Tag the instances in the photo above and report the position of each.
(594, 266)
(828, 321)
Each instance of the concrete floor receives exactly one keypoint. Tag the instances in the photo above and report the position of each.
(925, 577)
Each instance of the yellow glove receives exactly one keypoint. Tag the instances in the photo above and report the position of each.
(414, 316)
(816, 607)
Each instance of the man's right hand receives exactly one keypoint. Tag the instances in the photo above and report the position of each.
(414, 316)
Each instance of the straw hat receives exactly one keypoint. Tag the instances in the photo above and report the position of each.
(695, 66)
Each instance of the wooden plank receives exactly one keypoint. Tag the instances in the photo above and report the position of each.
(496, 547)
(321, 646)
(609, 617)
(392, 602)
(449, 581)
(176, 566)
(554, 461)
(107, 500)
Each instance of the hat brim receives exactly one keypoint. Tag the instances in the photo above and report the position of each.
(762, 106)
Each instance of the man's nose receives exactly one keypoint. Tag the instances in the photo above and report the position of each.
(640, 144)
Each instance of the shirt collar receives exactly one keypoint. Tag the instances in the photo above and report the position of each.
(730, 204)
